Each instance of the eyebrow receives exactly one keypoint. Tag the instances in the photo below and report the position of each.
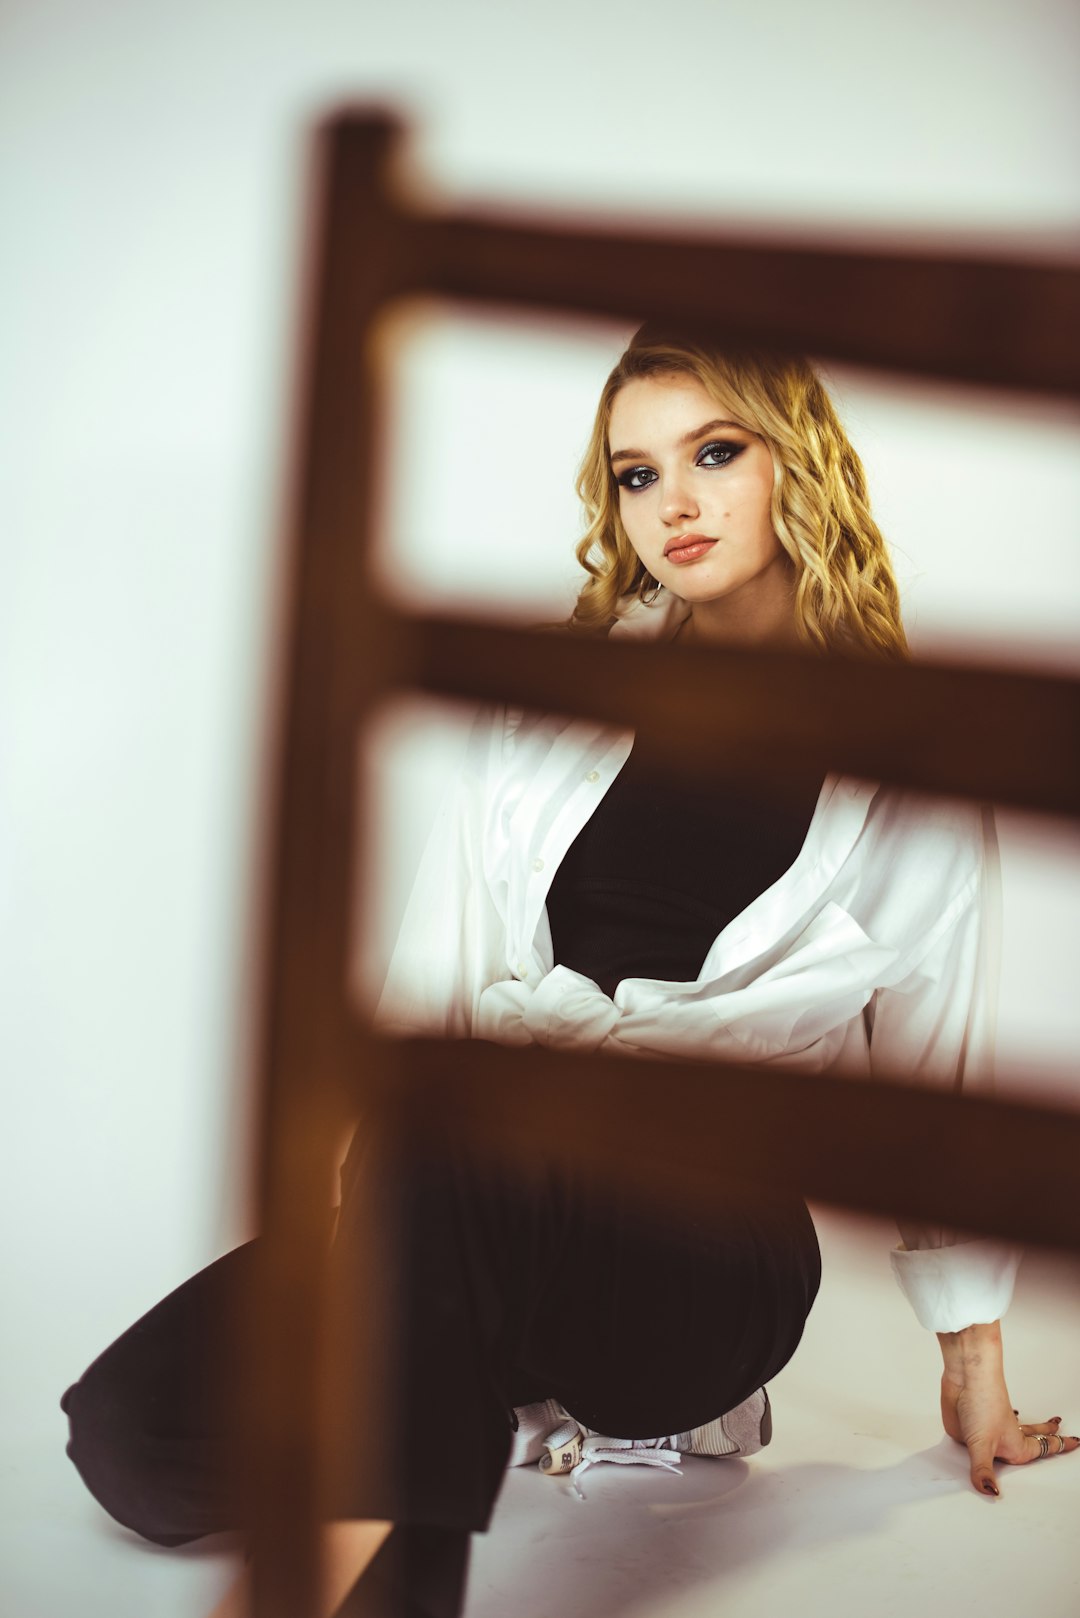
(687, 438)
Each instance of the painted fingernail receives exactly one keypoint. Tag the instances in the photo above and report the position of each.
(990, 1486)
(1055, 1418)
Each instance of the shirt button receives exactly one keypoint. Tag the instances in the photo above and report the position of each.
(538, 865)
(523, 969)
(593, 775)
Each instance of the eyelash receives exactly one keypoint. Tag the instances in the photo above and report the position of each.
(730, 449)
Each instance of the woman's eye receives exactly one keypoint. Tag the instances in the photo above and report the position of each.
(719, 453)
(629, 479)
(722, 452)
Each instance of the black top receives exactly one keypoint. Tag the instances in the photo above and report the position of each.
(660, 869)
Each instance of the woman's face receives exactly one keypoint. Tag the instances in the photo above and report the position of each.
(694, 497)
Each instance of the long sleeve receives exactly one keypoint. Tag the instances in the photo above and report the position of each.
(450, 945)
(937, 1025)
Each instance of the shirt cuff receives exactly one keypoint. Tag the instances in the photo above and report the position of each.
(952, 1287)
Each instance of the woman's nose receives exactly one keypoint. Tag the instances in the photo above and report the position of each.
(676, 501)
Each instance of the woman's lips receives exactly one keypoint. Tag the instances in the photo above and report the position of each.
(688, 548)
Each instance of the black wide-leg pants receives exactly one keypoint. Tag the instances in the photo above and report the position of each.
(496, 1291)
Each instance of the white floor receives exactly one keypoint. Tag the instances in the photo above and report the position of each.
(859, 1505)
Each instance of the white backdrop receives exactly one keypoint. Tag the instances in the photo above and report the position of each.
(151, 166)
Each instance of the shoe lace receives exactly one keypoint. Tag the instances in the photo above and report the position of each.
(596, 1447)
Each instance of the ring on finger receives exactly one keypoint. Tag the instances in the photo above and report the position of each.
(1061, 1444)
(1043, 1443)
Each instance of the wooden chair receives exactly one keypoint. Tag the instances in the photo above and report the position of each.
(993, 735)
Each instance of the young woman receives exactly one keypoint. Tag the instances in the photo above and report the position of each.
(570, 895)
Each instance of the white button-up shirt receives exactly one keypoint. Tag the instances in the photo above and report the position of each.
(875, 951)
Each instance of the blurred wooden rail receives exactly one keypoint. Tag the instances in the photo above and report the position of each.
(1009, 737)
(957, 318)
(987, 734)
(879, 1148)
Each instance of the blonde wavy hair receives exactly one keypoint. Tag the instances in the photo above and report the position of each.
(846, 598)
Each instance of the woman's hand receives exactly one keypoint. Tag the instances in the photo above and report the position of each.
(976, 1410)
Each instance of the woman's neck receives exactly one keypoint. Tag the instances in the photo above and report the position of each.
(706, 626)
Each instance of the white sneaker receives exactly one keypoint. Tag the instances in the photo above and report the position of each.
(548, 1434)
(533, 1423)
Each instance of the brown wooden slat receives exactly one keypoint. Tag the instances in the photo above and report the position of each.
(306, 1034)
(721, 712)
(680, 1131)
(955, 317)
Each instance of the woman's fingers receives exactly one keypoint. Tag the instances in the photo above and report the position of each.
(1049, 1427)
(1036, 1447)
(1042, 1439)
(1032, 1441)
